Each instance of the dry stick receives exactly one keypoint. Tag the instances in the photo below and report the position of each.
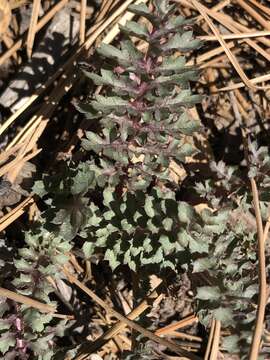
(64, 87)
(242, 35)
(22, 299)
(105, 7)
(256, 80)
(4, 155)
(14, 4)
(233, 26)
(257, 334)
(98, 29)
(82, 21)
(125, 320)
(16, 162)
(265, 9)
(7, 40)
(266, 230)
(217, 59)
(183, 335)
(46, 18)
(42, 88)
(32, 28)
(15, 213)
(217, 7)
(215, 344)
(178, 325)
(119, 326)
(210, 340)
(230, 55)
(264, 23)
(27, 301)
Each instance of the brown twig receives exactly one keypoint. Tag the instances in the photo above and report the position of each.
(27, 301)
(32, 28)
(215, 343)
(172, 346)
(82, 21)
(119, 326)
(257, 334)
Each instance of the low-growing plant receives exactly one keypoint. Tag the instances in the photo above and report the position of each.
(121, 200)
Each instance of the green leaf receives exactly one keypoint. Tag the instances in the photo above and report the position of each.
(109, 103)
(224, 315)
(203, 264)
(111, 52)
(184, 151)
(142, 10)
(133, 28)
(198, 245)
(172, 63)
(186, 212)
(166, 244)
(36, 320)
(230, 344)
(83, 180)
(133, 53)
(167, 223)
(22, 264)
(6, 341)
(60, 259)
(209, 293)
(88, 110)
(94, 142)
(39, 188)
(186, 125)
(27, 253)
(4, 324)
(112, 258)
(178, 79)
(88, 249)
(149, 206)
(108, 196)
(184, 42)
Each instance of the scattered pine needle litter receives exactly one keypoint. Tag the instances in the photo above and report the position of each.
(223, 60)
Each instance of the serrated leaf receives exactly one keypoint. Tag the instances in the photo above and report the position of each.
(230, 344)
(209, 293)
(22, 264)
(172, 64)
(88, 249)
(224, 315)
(27, 253)
(60, 259)
(186, 212)
(6, 341)
(142, 10)
(82, 181)
(111, 52)
(182, 42)
(149, 206)
(133, 28)
(111, 257)
(110, 103)
(186, 125)
(39, 188)
(36, 320)
(200, 265)
(5, 324)
(88, 110)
